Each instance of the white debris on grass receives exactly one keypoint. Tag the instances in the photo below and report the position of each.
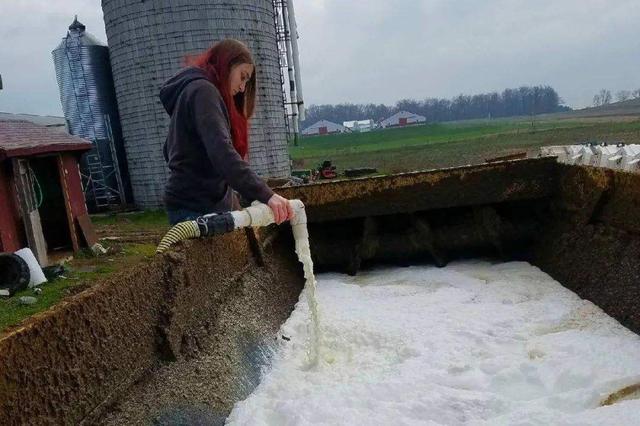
(473, 343)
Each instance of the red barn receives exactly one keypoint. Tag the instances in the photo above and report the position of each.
(42, 204)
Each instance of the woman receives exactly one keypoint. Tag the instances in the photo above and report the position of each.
(210, 102)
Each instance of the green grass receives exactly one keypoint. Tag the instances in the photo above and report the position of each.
(450, 144)
(142, 219)
(85, 269)
(390, 138)
(81, 273)
(12, 312)
(403, 137)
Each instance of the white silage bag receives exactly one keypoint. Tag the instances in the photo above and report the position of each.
(37, 276)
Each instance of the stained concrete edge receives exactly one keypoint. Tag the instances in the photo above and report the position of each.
(66, 364)
(592, 242)
(62, 365)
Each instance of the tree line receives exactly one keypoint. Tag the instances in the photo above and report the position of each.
(525, 100)
(604, 97)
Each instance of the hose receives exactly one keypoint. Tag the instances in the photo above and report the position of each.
(213, 224)
(203, 226)
(180, 231)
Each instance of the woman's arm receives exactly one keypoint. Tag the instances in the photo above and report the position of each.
(211, 122)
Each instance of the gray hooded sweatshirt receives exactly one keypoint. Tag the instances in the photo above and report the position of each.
(204, 166)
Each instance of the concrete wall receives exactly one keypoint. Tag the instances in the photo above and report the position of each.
(66, 365)
(420, 191)
(592, 241)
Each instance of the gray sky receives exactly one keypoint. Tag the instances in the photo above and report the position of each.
(384, 50)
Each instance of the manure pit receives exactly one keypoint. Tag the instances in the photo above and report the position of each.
(182, 338)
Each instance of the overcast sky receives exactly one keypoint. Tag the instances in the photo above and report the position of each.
(384, 50)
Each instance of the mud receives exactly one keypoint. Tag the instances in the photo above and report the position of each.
(626, 393)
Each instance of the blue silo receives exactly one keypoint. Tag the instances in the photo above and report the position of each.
(89, 104)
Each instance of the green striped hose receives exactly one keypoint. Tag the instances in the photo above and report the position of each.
(180, 231)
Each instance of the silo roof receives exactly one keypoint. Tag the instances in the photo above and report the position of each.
(77, 25)
(85, 38)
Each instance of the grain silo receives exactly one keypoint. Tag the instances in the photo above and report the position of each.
(89, 104)
(148, 41)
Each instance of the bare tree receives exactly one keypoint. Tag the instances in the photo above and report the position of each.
(635, 94)
(623, 95)
(602, 98)
(597, 101)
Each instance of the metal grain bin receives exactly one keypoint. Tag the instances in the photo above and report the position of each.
(88, 100)
(148, 41)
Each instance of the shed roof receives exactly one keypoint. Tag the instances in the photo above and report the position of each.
(322, 123)
(405, 114)
(21, 138)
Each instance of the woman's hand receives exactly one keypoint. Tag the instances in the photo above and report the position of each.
(281, 208)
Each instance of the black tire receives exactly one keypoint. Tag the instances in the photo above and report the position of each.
(14, 273)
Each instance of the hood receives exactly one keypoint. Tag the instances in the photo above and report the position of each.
(171, 89)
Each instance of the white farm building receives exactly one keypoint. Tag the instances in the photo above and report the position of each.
(323, 127)
(402, 118)
(360, 125)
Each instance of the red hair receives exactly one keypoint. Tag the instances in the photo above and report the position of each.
(217, 62)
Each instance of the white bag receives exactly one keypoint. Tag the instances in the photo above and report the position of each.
(37, 276)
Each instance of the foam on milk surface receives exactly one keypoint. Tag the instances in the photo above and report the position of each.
(472, 343)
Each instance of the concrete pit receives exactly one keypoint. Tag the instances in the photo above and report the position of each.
(183, 336)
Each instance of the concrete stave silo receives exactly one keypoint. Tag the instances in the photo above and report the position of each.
(148, 42)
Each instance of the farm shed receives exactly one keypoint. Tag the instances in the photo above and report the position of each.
(360, 125)
(402, 118)
(42, 204)
(323, 127)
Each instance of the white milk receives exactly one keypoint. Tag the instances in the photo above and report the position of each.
(473, 343)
